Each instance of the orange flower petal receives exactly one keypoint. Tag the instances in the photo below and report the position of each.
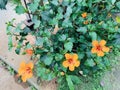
(22, 64)
(102, 42)
(65, 63)
(105, 49)
(29, 51)
(95, 43)
(30, 64)
(21, 68)
(93, 50)
(24, 79)
(75, 56)
(28, 75)
(84, 15)
(20, 71)
(77, 63)
(71, 68)
(67, 56)
(100, 53)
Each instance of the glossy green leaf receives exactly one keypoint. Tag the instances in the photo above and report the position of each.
(47, 59)
(93, 35)
(68, 46)
(82, 30)
(75, 79)
(90, 62)
(39, 41)
(20, 9)
(70, 83)
(118, 4)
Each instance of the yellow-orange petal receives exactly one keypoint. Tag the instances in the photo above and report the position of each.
(29, 75)
(29, 51)
(65, 63)
(84, 15)
(24, 79)
(102, 42)
(30, 64)
(93, 50)
(95, 43)
(21, 69)
(71, 67)
(106, 49)
(77, 63)
(22, 64)
(100, 53)
(75, 56)
(67, 56)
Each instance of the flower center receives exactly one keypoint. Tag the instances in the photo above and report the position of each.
(70, 61)
(99, 48)
(28, 70)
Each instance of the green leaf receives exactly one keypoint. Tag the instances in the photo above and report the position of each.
(82, 30)
(36, 22)
(118, 4)
(75, 79)
(44, 74)
(90, 62)
(93, 35)
(20, 9)
(39, 41)
(113, 1)
(17, 51)
(33, 6)
(67, 23)
(3, 4)
(70, 83)
(47, 59)
(26, 30)
(62, 37)
(68, 46)
(58, 57)
(55, 2)
(68, 12)
(81, 55)
(59, 16)
(10, 43)
(46, 15)
(117, 40)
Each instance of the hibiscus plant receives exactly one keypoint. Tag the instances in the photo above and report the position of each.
(71, 39)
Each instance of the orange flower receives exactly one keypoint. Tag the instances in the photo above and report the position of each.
(99, 47)
(29, 51)
(71, 61)
(25, 70)
(85, 22)
(84, 15)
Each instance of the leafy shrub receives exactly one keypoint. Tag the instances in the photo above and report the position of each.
(70, 38)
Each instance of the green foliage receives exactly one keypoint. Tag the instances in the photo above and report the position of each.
(68, 46)
(70, 83)
(60, 28)
(20, 9)
(3, 4)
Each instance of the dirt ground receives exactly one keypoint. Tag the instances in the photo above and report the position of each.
(11, 57)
